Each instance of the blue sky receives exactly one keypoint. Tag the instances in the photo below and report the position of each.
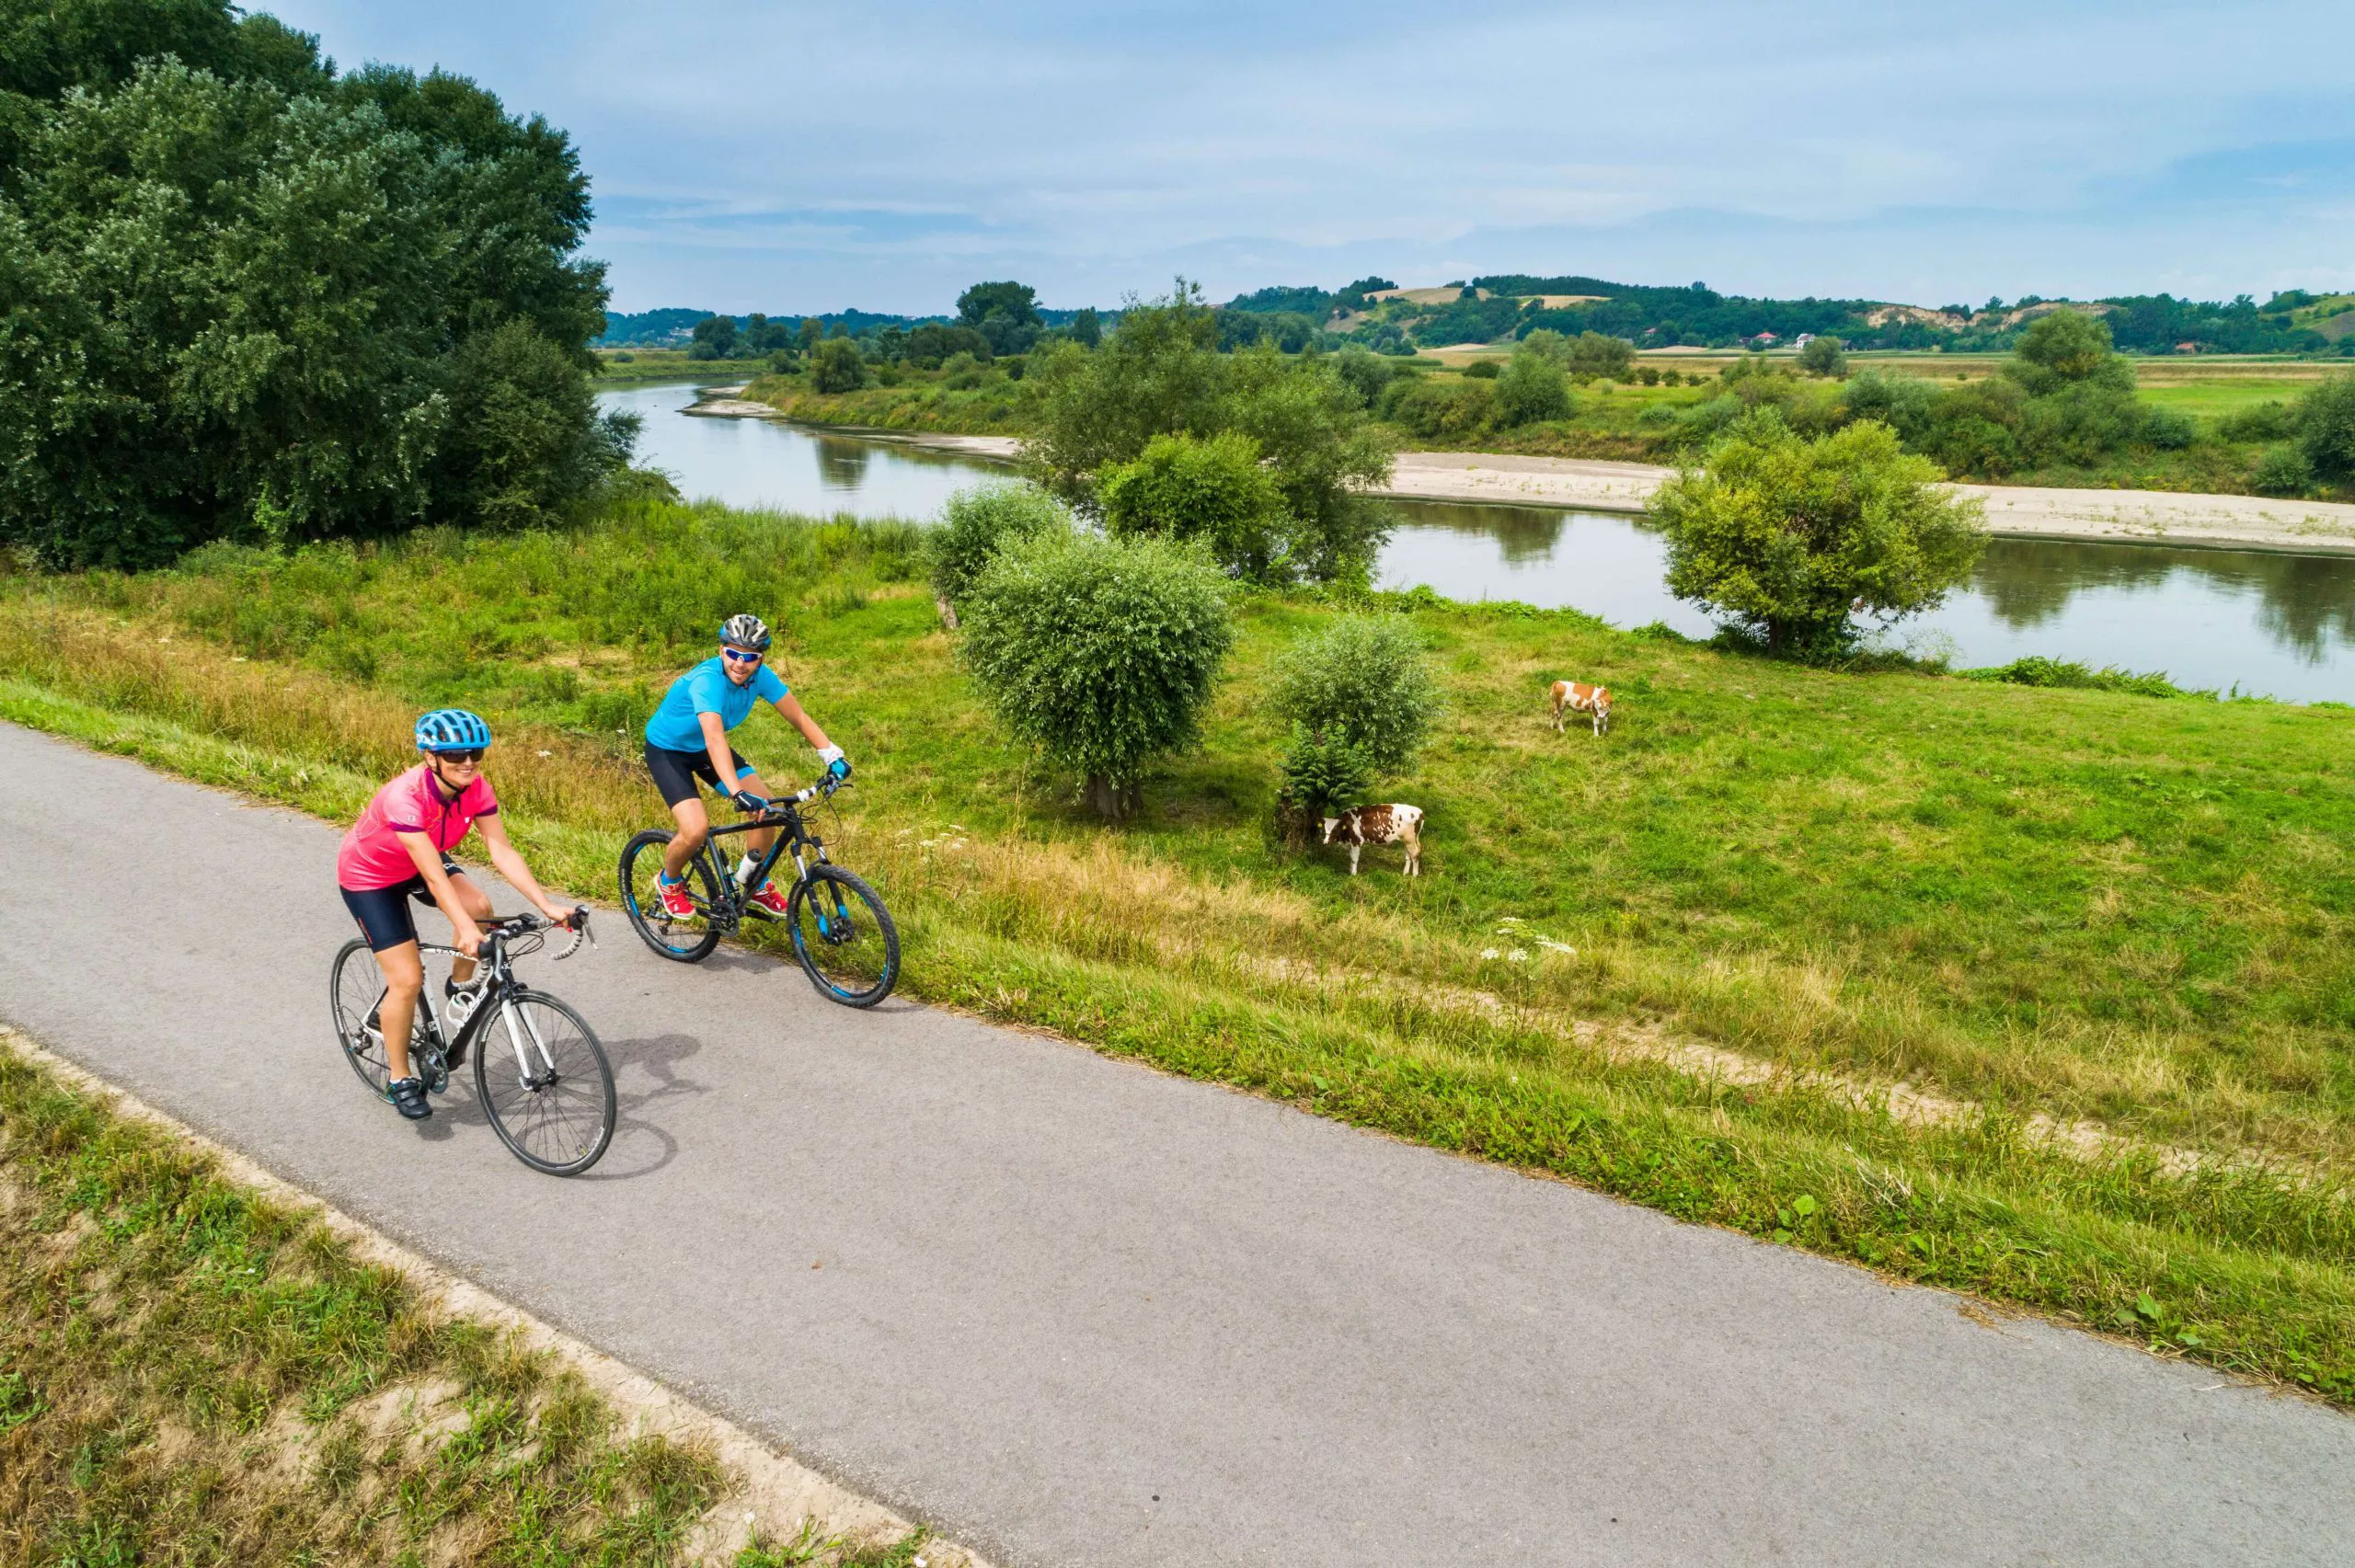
(792, 157)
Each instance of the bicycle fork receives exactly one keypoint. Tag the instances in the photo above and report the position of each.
(531, 1080)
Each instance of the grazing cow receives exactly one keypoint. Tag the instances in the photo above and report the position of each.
(1363, 825)
(1577, 697)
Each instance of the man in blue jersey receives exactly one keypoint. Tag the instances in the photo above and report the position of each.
(687, 741)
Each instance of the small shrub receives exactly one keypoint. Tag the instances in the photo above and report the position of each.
(1365, 680)
(1100, 652)
(2038, 670)
(1596, 354)
(2283, 471)
(2169, 430)
(1532, 388)
(1483, 370)
(2327, 430)
(836, 366)
(1320, 775)
(1825, 356)
(1214, 490)
(977, 524)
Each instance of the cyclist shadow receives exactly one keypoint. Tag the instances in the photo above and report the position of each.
(640, 1146)
(646, 1074)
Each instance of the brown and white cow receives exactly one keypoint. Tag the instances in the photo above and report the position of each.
(1363, 825)
(1577, 697)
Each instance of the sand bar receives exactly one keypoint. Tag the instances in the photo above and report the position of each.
(2245, 522)
(2254, 522)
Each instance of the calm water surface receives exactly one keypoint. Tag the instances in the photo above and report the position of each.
(2274, 624)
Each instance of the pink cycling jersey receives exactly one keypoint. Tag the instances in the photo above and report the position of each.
(372, 857)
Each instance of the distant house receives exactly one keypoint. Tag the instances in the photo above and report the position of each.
(1766, 340)
(1803, 340)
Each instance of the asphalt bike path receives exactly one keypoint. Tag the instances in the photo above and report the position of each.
(1076, 1312)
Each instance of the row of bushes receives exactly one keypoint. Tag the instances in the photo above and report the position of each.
(1101, 651)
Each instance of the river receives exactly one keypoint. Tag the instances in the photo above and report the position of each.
(2277, 624)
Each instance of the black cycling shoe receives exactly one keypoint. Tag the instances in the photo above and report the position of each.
(408, 1095)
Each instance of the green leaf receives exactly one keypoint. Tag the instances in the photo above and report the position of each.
(1803, 1205)
(2148, 1309)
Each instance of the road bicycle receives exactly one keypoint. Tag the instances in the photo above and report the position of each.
(540, 1074)
(841, 932)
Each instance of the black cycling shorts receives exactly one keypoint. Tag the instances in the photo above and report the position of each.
(675, 773)
(384, 913)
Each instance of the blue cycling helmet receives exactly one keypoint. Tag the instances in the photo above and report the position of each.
(452, 729)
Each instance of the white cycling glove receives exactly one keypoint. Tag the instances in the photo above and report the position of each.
(830, 755)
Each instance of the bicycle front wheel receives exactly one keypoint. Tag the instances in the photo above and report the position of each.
(690, 940)
(355, 990)
(544, 1082)
(844, 937)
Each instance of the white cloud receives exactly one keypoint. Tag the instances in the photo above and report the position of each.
(1910, 151)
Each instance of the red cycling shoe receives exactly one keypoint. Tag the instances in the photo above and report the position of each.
(769, 898)
(675, 902)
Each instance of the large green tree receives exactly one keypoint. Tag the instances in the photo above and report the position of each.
(241, 296)
(1788, 537)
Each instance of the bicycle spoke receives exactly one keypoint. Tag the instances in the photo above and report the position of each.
(545, 1086)
(844, 937)
(686, 939)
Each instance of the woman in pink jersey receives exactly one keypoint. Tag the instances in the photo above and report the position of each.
(399, 851)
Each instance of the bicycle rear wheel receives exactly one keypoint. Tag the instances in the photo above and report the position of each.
(544, 1082)
(688, 941)
(355, 989)
(844, 937)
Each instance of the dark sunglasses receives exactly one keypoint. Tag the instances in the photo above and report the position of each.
(742, 655)
(473, 755)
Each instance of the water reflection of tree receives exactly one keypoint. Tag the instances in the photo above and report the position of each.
(2305, 603)
(842, 463)
(2030, 582)
(1524, 534)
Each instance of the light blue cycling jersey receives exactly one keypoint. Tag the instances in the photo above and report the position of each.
(706, 689)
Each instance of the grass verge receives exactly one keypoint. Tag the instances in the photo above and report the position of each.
(191, 1373)
(2043, 904)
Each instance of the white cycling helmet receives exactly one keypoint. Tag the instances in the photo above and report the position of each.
(745, 632)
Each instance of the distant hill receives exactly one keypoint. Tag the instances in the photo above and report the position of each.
(656, 328)
(1378, 313)
(649, 329)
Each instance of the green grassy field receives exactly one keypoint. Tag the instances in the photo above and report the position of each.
(2104, 935)
(191, 1374)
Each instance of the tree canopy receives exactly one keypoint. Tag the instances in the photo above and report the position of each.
(1161, 375)
(246, 297)
(1786, 537)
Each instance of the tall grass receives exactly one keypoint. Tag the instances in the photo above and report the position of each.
(2057, 904)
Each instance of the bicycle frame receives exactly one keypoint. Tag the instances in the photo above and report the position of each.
(497, 986)
(793, 835)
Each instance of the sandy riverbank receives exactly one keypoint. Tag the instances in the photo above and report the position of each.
(2251, 522)
(2247, 523)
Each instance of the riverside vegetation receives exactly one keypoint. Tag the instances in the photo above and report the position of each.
(2063, 408)
(191, 1373)
(2038, 993)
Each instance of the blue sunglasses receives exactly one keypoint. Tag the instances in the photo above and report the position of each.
(741, 656)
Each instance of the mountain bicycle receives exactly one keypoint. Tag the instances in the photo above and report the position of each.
(540, 1074)
(841, 932)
